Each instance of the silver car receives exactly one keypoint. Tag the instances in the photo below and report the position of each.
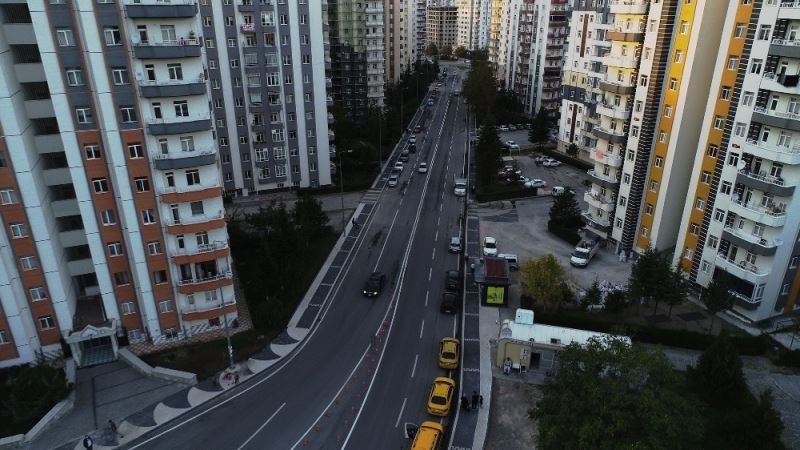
(455, 245)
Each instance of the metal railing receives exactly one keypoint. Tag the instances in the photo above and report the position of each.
(222, 275)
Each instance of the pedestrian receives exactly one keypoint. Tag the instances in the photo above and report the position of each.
(236, 378)
(88, 443)
(113, 427)
(474, 399)
(480, 399)
(465, 402)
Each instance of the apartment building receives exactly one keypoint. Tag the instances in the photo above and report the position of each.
(469, 13)
(357, 46)
(741, 214)
(418, 30)
(532, 52)
(111, 190)
(266, 69)
(442, 26)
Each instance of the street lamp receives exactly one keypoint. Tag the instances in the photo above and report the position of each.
(227, 331)
(341, 185)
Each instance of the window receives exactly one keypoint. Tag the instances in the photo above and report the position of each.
(154, 247)
(699, 203)
(175, 71)
(112, 36)
(653, 185)
(142, 184)
(74, 77)
(740, 31)
(165, 306)
(201, 239)
(193, 177)
(64, 37)
(725, 93)
(719, 122)
(705, 177)
(181, 108)
(694, 229)
(678, 56)
(712, 242)
(764, 32)
(622, 201)
(687, 253)
(668, 111)
(684, 27)
(673, 84)
(8, 196)
(128, 308)
(719, 215)
(740, 129)
(84, 115)
(725, 188)
(793, 262)
(38, 293)
(733, 61)
(47, 322)
(108, 217)
(135, 151)
(648, 209)
(785, 289)
(18, 230)
(747, 98)
(197, 208)
(645, 232)
(28, 262)
(127, 114)
(122, 278)
(659, 161)
(148, 216)
(626, 178)
(92, 151)
(114, 249)
(100, 185)
(120, 76)
(712, 151)
(756, 65)
(160, 276)
(733, 159)
(662, 136)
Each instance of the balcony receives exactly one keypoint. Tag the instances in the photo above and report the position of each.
(621, 35)
(629, 61)
(39, 109)
(615, 111)
(207, 283)
(766, 183)
(247, 5)
(745, 302)
(205, 252)
(598, 201)
(597, 222)
(777, 153)
(196, 224)
(19, 34)
(173, 88)
(159, 9)
(617, 87)
(611, 136)
(30, 72)
(179, 125)
(742, 269)
(193, 193)
(187, 48)
(785, 47)
(787, 84)
(606, 158)
(772, 118)
(789, 9)
(603, 180)
(773, 216)
(628, 7)
(195, 312)
(183, 160)
(750, 242)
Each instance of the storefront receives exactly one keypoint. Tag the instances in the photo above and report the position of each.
(492, 278)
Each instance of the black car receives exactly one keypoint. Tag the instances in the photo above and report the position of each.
(374, 284)
(452, 281)
(449, 303)
(412, 148)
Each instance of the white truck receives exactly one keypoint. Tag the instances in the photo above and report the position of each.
(460, 187)
(584, 252)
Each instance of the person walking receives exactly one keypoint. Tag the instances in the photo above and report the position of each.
(465, 402)
(474, 399)
(113, 427)
(88, 443)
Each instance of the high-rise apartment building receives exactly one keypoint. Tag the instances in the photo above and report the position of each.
(532, 52)
(742, 213)
(442, 28)
(357, 47)
(110, 180)
(266, 70)
(418, 29)
(469, 13)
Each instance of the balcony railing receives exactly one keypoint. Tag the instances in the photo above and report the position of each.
(248, 27)
(753, 239)
(185, 189)
(741, 266)
(777, 181)
(793, 150)
(596, 220)
(786, 42)
(223, 275)
(198, 79)
(202, 218)
(593, 173)
(782, 115)
(204, 248)
(178, 119)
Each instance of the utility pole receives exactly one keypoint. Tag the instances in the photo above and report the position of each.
(227, 330)
(341, 187)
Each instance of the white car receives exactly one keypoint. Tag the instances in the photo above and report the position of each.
(535, 183)
(398, 166)
(512, 145)
(551, 163)
(412, 140)
(423, 167)
(502, 128)
(489, 246)
(392, 181)
(512, 128)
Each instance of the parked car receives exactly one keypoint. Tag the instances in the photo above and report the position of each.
(540, 159)
(503, 128)
(455, 245)
(512, 128)
(550, 162)
(441, 396)
(512, 145)
(430, 102)
(412, 140)
(558, 190)
(392, 181)
(489, 246)
(536, 183)
(417, 129)
(448, 353)
(449, 303)
(423, 167)
(451, 281)
(398, 166)
(374, 284)
(513, 260)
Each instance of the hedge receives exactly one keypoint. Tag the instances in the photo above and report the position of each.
(789, 358)
(566, 159)
(746, 345)
(569, 235)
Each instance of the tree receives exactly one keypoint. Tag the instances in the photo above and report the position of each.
(480, 89)
(718, 377)
(678, 291)
(540, 131)
(565, 212)
(309, 219)
(432, 49)
(446, 51)
(616, 301)
(542, 279)
(487, 154)
(572, 150)
(650, 277)
(593, 296)
(717, 296)
(460, 51)
(609, 394)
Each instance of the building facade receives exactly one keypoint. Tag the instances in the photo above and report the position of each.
(442, 26)
(113, 220)
(469, 13)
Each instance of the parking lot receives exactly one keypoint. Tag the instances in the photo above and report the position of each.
(522, 230)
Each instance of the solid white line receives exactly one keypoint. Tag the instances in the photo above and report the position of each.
(433, 256)
(383, 247)
(262, 426)
(421, 328)
(400, 414)
(414, 369)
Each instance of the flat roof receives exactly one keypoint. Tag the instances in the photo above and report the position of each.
(549, 334)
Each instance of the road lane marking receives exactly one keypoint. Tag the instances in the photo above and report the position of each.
(383, 247)
(421, 328)
(400, 414)
(262, 426)
(433, 256)
(414, 369)
(426, 298)
(430, 272)
(438, 221)
(440, 206)
(436, 238)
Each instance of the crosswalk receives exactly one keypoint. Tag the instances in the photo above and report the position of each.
(371, 196)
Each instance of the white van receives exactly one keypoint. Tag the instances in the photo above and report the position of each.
(513, 260)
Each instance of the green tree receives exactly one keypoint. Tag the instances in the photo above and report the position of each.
(572, 150)
(718, 377)
(446, 51)
(542, 279)
(678, 290)
(27, 393)
(432, 49)
(616, 301)
(480, 89)
(460, 51)
(608, 394)
(540, 131)
(717, 296)
(592, 295)
(309, 219)
(487, 155)
(650, 277)
(565, 212)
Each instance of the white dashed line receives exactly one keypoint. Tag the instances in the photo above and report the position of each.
(421, 328)
(414, 368)
(427, 293)
(430, 272)
(433, 256)
(400, 414)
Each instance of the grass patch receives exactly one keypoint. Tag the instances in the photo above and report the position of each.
(26, 394)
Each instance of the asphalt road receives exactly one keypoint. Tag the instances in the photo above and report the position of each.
(367, 367)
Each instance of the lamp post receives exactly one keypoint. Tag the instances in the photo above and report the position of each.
(227, 331)
(341, 187)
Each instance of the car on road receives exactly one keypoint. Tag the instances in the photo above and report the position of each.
(452, 281)
(449, 304)
(412, 140)
(374, 284)
(512, 128)
(535, 183)
(417, 129)
(512, 259)
(398, 166)
(441, 396)
(550, 162)
(423, 167)
(412, 148)
(392, 180)
(404, 156)
(540, 159)
(429, 436)
(448, 353)
(439, 84)
(455, 245)
(558, 190)
(489, 246)
(503, 128)
(512, 145)
(430, 102)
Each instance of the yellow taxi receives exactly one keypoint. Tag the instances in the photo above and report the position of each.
(448, 353)
(429, 436)
(441, 396)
